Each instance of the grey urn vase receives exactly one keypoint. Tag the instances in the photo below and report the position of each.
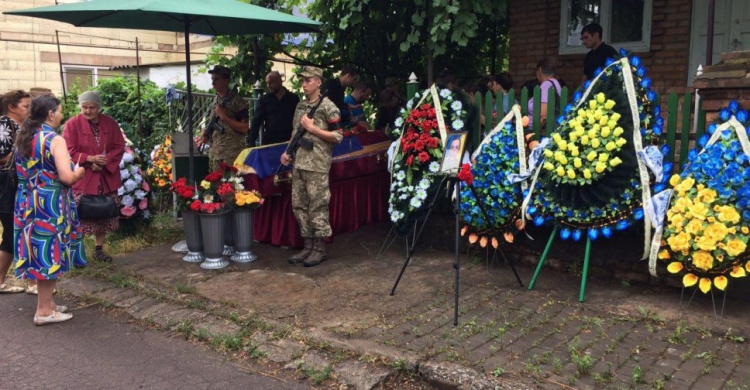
(212, 228)
(193, 237)
(243, 236)
(228, 235)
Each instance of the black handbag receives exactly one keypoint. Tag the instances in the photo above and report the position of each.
(97, 207)
(8, 185)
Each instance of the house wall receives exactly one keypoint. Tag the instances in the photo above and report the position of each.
(29, 53)
(535, 30)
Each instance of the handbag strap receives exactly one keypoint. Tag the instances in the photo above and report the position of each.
(10, 162)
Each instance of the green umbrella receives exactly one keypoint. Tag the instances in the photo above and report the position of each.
(209, 17)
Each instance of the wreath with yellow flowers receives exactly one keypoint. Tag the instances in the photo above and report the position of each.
(708, 221)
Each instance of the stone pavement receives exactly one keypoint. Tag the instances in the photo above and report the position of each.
(339, 318)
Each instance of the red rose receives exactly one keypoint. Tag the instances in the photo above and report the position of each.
(433, 142)
(465, 174)
(424, 157)
(410, 160)
(196, 205)
(420, 145)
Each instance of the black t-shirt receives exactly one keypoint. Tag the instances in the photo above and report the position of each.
(277, 116)
(8, 129)
(597, 58)
(335, 92)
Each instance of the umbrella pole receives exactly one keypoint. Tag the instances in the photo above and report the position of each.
(189, 102)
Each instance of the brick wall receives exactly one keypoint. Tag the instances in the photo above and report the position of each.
(726, 81)
(535, 29)
(29, 53)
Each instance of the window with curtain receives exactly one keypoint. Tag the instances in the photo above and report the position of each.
(626, 23)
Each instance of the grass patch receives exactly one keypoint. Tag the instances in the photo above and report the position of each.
(317, 376)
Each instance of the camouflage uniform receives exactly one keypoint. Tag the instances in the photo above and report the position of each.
(226, 147)
(310, 193)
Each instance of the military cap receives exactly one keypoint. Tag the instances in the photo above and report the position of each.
(221, 71)
(310, 71)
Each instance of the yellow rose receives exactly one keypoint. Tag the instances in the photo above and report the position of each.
(205, 184)
(679, 242)
(240, 201)
(745, 230)
(699, 210)
(620, 142)
(735, 247)
(548, 166)
(611, 146)
(618, 131)
(612, 124)
(615, 117)
(573, 137)
(705, 243)
(604, 157)
(577, 162)
(605, 131)
(563, 160)
(601, 98)
(591, 156)
(676, 220)
(729, 214)
(582, 113)
(603, 121)
(707, 195)
(715, 231)
(615, 162)
(609, 104)
(592, 104)
(562, 144)
(600, 167)
(694, 226)
(682, 204)
(674, 180)
(664, 254)
(703, 260)
(560, 171)
(571, 174)
(584, 140)
(587, 174)
(685, 184)
(557, 137)
(548, 153)
(595, 143)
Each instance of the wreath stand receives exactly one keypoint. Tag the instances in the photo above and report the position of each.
(584, 274)
(684, 306)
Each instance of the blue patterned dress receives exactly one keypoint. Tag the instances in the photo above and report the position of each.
(45, 220)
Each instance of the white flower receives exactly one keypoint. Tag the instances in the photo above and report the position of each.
(415, 203)
(127, 158)
(121, 191)
(140, 194)
(444, 93)
(122, 164)
(410, 103)
(393, 185)
(434, 166)
(424, 184)
(146, 214)
(400, 175)
(138, 178)
(127, 200)
(394, 216)
(456, 106)
(130, 185)
(421, 194)
(398, 122)
(124, 174)
(458, 124)
(133, 169)
(403, 196)
(208, 199)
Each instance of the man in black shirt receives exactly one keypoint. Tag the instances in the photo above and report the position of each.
(334, 88)
(591, 35)
(275, 113)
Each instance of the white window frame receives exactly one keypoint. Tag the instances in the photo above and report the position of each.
(605, 21)
(94, 73)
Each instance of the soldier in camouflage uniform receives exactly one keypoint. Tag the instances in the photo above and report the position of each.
(234, 118)
(310, 193)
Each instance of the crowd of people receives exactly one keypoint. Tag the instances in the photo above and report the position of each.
(48, 179)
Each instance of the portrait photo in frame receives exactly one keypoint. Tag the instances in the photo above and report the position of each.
(453, 153)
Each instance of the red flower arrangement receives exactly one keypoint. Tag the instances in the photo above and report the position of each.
(421, 139)
(185, 193)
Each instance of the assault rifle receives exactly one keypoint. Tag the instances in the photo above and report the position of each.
(297, 141)
(214, 125)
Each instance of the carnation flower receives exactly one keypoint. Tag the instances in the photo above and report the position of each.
(398, 122)
(140, 194)
(421, 194)
(130, 185)
(424, 184)
(434, 166)
(444, 93)
(456, 105)
(457, 124)
(400, 175)
(127, 200)
(415, 203)
(124, 174)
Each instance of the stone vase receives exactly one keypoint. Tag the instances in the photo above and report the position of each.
(193, 237)
(212, 229)
(243, 236)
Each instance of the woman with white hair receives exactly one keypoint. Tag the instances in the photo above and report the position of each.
(96, 143)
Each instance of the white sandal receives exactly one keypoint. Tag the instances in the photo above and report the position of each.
(34, 290)
(53, 318)
(6, 288)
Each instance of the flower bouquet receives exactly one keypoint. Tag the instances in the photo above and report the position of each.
(601, 165)
(708, 220)
(423, 131)
(160, 170)
(185, 194)
(134, 191)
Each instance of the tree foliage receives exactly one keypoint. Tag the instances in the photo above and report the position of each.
(384, 38)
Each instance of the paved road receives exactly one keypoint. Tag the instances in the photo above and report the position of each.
(96, 350)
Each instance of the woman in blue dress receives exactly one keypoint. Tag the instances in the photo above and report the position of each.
(45, 222)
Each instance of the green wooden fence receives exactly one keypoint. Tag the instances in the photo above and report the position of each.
(679, 121)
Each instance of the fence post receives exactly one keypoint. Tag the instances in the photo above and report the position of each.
(697, 107)
(411, 86)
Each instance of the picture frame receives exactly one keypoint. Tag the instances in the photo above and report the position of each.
(453, 153)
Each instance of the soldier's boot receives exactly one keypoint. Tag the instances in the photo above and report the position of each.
(318, 254)
(304, 254)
